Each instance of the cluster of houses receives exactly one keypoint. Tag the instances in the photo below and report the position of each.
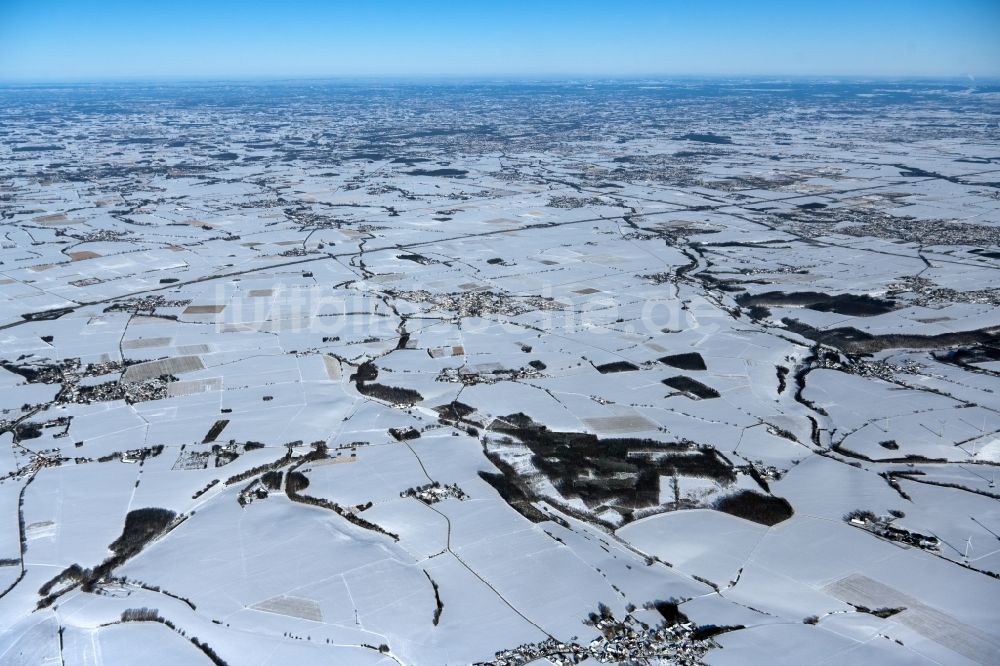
(434, 492)
(621, 642)
(486, 375)
(864, 368)
(70, 373)
(479, 302)
(884, 528)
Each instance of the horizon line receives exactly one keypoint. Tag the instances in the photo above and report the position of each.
(480, 78)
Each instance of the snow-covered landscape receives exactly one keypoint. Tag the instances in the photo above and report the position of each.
(697, 372)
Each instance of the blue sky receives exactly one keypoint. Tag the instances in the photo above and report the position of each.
(63, 40)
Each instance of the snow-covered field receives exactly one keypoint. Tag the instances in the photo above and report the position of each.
(500, 374)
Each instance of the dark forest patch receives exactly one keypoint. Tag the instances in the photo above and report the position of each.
(686, 361)
(852, 341)
(691, 387)
(513, 490)
(749, 505)
(215, 431)
(36, 149)
(416, 258)
(141, 527)
(364, 377)
(853, 305)
(616, 366)
(707, 137)
(439, 173)
(393, 394)
(965, 355)
(454, 410)
(625, 471)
